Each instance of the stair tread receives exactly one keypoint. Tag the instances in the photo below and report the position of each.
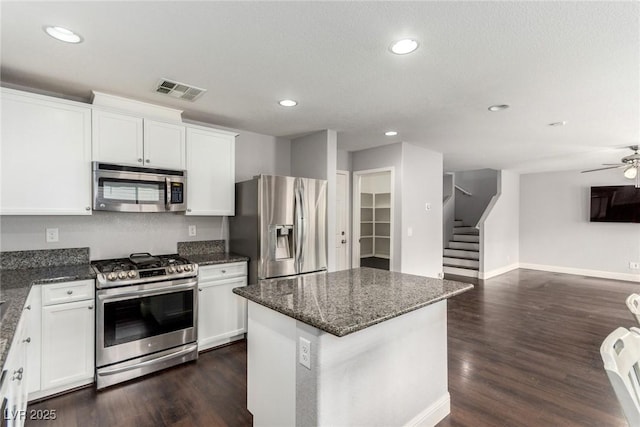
(466, 267)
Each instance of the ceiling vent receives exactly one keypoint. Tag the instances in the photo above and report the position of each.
(179, 90)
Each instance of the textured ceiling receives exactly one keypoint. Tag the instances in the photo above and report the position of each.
(551, 61)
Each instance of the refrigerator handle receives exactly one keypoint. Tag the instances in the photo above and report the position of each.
(298, 226)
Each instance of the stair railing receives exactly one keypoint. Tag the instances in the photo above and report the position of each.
(462, 190)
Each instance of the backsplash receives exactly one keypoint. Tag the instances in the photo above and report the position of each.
(43, 258)
(108, 234)
(201, 247)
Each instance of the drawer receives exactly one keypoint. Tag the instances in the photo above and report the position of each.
(58, 293)
(222, 271)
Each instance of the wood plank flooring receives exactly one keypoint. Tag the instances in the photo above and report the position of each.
(523, 351)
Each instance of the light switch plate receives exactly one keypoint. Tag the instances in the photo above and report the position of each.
(192, 230)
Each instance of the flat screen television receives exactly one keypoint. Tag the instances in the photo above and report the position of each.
(618, 203)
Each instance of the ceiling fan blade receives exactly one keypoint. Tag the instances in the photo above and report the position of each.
(601, 169)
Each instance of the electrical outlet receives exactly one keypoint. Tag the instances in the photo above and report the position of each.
(634, 265)
(441, 275)
(51, 235)
(305, 353)
(192, 230)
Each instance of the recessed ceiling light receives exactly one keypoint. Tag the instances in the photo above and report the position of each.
(402, 47)
(391, 133)
(63, 34)
(288, 103)
(499, 107)
(562, 123)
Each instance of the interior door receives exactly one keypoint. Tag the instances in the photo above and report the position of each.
(278, 232)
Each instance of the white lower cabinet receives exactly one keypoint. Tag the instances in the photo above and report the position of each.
(222, 315)
(61, 337)
(67, 344)
(15, 377)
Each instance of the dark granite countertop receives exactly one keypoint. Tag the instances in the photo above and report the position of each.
(347, 301)
(218, 258)
(16, 281)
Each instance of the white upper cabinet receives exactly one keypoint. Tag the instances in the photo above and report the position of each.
(164, 145)
(117, 138)
(125, 139)
(210, 171)
(45, 156)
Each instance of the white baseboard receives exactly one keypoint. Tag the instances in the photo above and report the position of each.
(582, 272)
(433, 414)
(498, 271)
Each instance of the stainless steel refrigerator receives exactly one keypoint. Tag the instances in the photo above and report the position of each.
(280, 223)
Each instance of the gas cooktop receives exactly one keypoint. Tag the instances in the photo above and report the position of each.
(142, 268)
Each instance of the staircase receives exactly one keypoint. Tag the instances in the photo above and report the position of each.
(462, 254)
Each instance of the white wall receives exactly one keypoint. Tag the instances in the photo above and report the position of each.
(344, 160)
(499, 230)
(421, 184)
(261, 154)
(315, 156)
(555, 232)
(382, 157)
(376, 183)
(448, 208)
(483, 185)
(108, 234)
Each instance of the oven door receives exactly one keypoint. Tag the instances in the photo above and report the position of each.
(133, 321)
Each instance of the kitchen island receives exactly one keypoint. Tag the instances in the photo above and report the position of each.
(354, 347)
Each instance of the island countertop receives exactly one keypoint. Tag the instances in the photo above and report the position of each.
(347, 301)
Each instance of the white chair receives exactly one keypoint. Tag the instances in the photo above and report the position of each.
(633, 302)
(620, 353)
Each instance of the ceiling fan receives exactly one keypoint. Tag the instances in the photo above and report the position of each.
(630, 163)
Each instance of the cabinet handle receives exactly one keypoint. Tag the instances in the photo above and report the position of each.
(69, 292)
(148, 161)
(224, 271)
(88, 208)
(19, 371)
(28, 307)
(139, 160)
(17, 375)
(199, 289)
(90, 307)
(27, 340)
(188, 210)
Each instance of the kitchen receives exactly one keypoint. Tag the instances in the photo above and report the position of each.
(317, 154)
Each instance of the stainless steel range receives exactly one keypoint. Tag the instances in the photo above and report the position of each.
(146, 317)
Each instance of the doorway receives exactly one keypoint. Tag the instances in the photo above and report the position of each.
(373, 218)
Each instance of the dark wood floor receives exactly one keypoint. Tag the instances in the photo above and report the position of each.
(375, 262)
(523, 351)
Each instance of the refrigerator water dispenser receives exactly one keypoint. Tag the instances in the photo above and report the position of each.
(282, 241)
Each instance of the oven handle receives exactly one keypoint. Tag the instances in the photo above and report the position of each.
(148, 292)
(105, 372)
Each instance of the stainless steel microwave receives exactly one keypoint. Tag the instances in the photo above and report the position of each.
(123, 188)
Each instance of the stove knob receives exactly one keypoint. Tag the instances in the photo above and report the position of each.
(179, 269)
(122, 275)
(171, 269)
(131, 274)
(187, 267)
(112, 276)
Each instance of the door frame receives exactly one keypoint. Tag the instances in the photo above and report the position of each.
(357, 177)
(347, 212)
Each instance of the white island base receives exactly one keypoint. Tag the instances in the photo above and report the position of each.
(393, 373)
